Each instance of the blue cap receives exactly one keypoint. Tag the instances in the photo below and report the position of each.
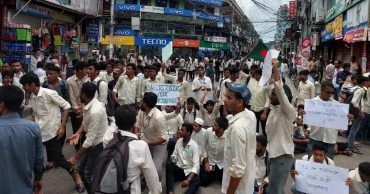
(242, 89)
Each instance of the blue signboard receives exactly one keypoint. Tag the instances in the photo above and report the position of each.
(92, 30)
(210, 2)
(213, 18)
(227, 20)
(124, 32)
(179, 12)
(127, 7)
(149, 41)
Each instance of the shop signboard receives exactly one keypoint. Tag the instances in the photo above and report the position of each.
(178, 12)
(213, 18)
(357, 35)
(106, 7)
(151, 9)
(150, 41)
(291, 9)
(357, 16)
(127, 7)
(210, 2)
(217, 39)
(327, 32)
(92, 30)
(184, 43)
(214, 45)
(119, 40)
(306, 51)
(339, 8)
(33, 9)
(338, 27)
(227, 20)
(123, 32)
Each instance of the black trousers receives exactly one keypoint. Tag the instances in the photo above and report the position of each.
(76, 124)
(206, 178)
(54, 153)
(218, 73)
(171, 146)
(173, 172)
(263, 123)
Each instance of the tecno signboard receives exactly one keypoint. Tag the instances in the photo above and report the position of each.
(150, 41)
(214, 45)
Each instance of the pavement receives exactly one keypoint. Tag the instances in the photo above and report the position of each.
(58, 181)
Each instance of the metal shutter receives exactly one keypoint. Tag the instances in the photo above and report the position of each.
(21, 18)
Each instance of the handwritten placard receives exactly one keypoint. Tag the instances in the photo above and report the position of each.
(326, 114)
(167, 93)
(267, 67)
(319, 178)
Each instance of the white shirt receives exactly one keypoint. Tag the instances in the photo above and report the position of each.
(284, 67)
(323, 134)
(183, 86)
(279, 126)
(139, 161)
(209, 118)
(215, 148)
(260, 99)
(174, 124)
(306, 90)
(40, 72)
(358, 97)
(201, 139)
(366, 103)
(252, 84)
(330, 161)
(95, 123)
(103, 91)
(358, 186)
(261, 169)
(34, 62)
(206, 81)
(239, 152)
(189, 117)
(105, 76)
(188, 157)
(46, 110)
(128, 90)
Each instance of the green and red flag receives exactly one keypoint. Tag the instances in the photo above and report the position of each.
(259, 52)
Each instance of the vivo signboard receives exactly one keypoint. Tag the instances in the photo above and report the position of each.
(179, 12)
(210, 2)
(124, 32)
(126, 7)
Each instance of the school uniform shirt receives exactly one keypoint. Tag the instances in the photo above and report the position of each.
(240, 151)
(261, 169)
(358, 186)
(206, 81)
(358, 96)
(323, 134)
(252, 84)
(95, 123)
(188, 157)
(330, 161)
(148, 81)
(139, 162)
(128, 90)
(215, 148)
(201, 139)
(188, 117)
(105, 76)
(102, 95)
(261, 99)
(183, 86)
(209, 118)
(46, 111)
(75, 85)
(306, 90)
(16, 79)
(279, 126)
(174, 124)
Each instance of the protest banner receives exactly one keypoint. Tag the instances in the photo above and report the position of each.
(326, 114)
(167, 93)
(315, 178)
(167, 52)
(267, 67)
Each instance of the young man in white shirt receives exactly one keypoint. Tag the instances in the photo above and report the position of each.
(184, 164)
(172, 126)
(360, 179)
(306, 89)
(128, 87)
(209, 110)
(179, 79)
(107, 76)
(7, 77)
(279, 129)
(200, 84)
(94, 123)
(200, 136)
(240, 143)
(17, 69)
(140, 160)
(46, 106)
(35, 59)
(40, 69)
(189, 113)
(213, 162)
(262, 166)
(153, 72)
(101, 94)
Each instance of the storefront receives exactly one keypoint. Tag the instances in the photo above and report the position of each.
(184, 47)
(212, 48)
(151, 46)
(122, 44)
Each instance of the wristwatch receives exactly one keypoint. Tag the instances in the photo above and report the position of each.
(188, 180)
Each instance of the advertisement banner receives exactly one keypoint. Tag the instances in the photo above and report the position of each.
(210, 2)
(119, 40)
(291, 9)
(92, 30)
(327, 32)
(357, 35)
(149, 41)
(151, 9)
(127, 7)
(214, 45)
(33, 9)
(124, 32)
(357, 16)
(339, 8)
(182, 43)
(179, 12)
(305, 52)
(338, 27)
(106, 7)
(217, 39)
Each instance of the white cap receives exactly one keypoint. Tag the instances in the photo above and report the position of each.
(199, 121)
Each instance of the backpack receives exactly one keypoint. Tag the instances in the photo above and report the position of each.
(326, 159)
(65, 96)
(352, 110)
(110, 169)
(111, 103)
(194, 113)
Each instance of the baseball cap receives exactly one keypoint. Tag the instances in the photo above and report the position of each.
(242, 89)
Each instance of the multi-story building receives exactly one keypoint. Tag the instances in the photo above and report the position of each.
(282, 24)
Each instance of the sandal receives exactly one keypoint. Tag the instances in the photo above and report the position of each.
(79, 187)
(47, 168)
(365, 142)
(356, 151)
(346, 152)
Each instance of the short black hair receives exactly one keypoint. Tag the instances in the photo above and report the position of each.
(325, 84)
(140, 67)
(120, 62)
(150, 99)
(364, 168)
(81, 65)
(103, 65)
(182, 70)
(12, 97)
(209, 102)
(320, 147)
(40, 64)
(96, 66)
(354, 57)
(300, 106)
(153, 67)
(158, 65)
(339, 61)
(188, 127)
(190, 100)
(53, 51)
(125, 117)
(226, 69)
(304, 72)
(346, 65)
(89, 89)
(254, 67)
(133, 65)
(262, 140)
(234, 70)
(222, 122)
(14, 61)
(109, 63)
(30, 78)
(54, 68)
(75, 62)
(35, 50)
(92, 61)
(360, 79)
(313, 71)
(200, 67)
(147, 67)
(8, 73)
(258, 71)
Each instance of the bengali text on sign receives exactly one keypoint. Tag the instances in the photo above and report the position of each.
(167, 93)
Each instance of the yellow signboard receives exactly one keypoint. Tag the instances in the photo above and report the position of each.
(338, 24)
(329, 27)
(119, 40)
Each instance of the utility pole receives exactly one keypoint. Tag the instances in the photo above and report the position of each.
(111, 49)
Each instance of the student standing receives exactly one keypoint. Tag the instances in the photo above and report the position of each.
(262, 166)
(306, 89)
(128, 88)
(101, 94)
(179, 79)
(201, 84)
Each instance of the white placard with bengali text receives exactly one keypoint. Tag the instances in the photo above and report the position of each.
(167, 52)
(168, 94)
(326, 114)
(267, 66)
(315, 178)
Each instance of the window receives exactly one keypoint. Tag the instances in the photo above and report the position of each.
(161, 3)
(331, 3)
(210, 10)
(174, 4)
(145, 2)
(131, 1)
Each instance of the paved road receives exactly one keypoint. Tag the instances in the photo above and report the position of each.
(57, 181)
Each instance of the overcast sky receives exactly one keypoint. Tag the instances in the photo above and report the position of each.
(260, 17)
